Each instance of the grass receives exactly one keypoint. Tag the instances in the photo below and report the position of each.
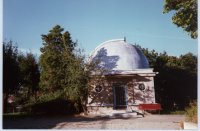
(16, 115)
(28, 114)
(178, 112)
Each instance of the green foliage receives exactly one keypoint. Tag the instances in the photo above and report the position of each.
(54, 107)
(191, 112)
(63, 67)
(54, 60)
(52, 103)
(29, 78)
(176, 83)
(42, 98)
(189, 62)
(10, 72)
(20, 75)
(185, 16)
(29, 74)
(10, 68)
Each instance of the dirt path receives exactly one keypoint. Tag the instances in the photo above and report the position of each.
(60, 122)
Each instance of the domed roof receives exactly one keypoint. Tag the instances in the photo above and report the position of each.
(119, 55)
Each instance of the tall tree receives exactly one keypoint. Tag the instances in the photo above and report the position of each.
(53, 64)
(29, 73)
(185, 16)
(63, 67)
(10, 71)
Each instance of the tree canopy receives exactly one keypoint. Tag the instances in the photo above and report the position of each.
(20, 75)
(62, 66)
(185, 15)
(10, 68)
(29, 72)
(176, 82)
(53, 62)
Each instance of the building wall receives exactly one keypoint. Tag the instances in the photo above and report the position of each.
(134, 94)
(145, 96)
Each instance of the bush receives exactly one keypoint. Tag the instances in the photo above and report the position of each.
(191, 112)
(54, 107)
(51, 103)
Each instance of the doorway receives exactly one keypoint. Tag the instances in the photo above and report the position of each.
(120, 96)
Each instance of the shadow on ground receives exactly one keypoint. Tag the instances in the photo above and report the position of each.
(58, 122)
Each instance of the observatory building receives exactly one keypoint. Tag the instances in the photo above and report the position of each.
(124, 79)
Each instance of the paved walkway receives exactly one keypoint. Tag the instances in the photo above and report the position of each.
(60, 122)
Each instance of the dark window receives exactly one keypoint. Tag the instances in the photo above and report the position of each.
(141, 87)
(98, 88)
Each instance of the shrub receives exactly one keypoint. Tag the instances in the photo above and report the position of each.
(51, 103)
(191, 112)
(54, 107)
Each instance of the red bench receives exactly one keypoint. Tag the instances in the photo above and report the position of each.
(153, 106)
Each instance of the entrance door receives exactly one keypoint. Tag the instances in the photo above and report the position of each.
(119, 96)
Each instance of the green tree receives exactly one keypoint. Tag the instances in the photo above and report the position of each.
(78, 81)
(54, 60)
(20, 75)
(173, 62)
(185, 16)
(10, 71)
(63, 67)
(177, 78)
(29, 74)
(189, 62)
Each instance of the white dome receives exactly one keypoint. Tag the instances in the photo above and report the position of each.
(119, 55)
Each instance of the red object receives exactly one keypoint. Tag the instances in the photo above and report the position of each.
(11, 98)
(154, 106)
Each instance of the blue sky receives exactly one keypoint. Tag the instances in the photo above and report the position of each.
(92, 22)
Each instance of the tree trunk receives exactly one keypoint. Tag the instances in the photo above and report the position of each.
(83, 104)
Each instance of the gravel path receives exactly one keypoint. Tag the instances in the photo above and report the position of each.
(167, 122)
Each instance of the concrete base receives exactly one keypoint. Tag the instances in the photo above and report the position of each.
(112, 113)
(124, 115)
(190, 125)
(109, 111)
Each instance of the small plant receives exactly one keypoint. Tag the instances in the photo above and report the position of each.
(191, 112)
